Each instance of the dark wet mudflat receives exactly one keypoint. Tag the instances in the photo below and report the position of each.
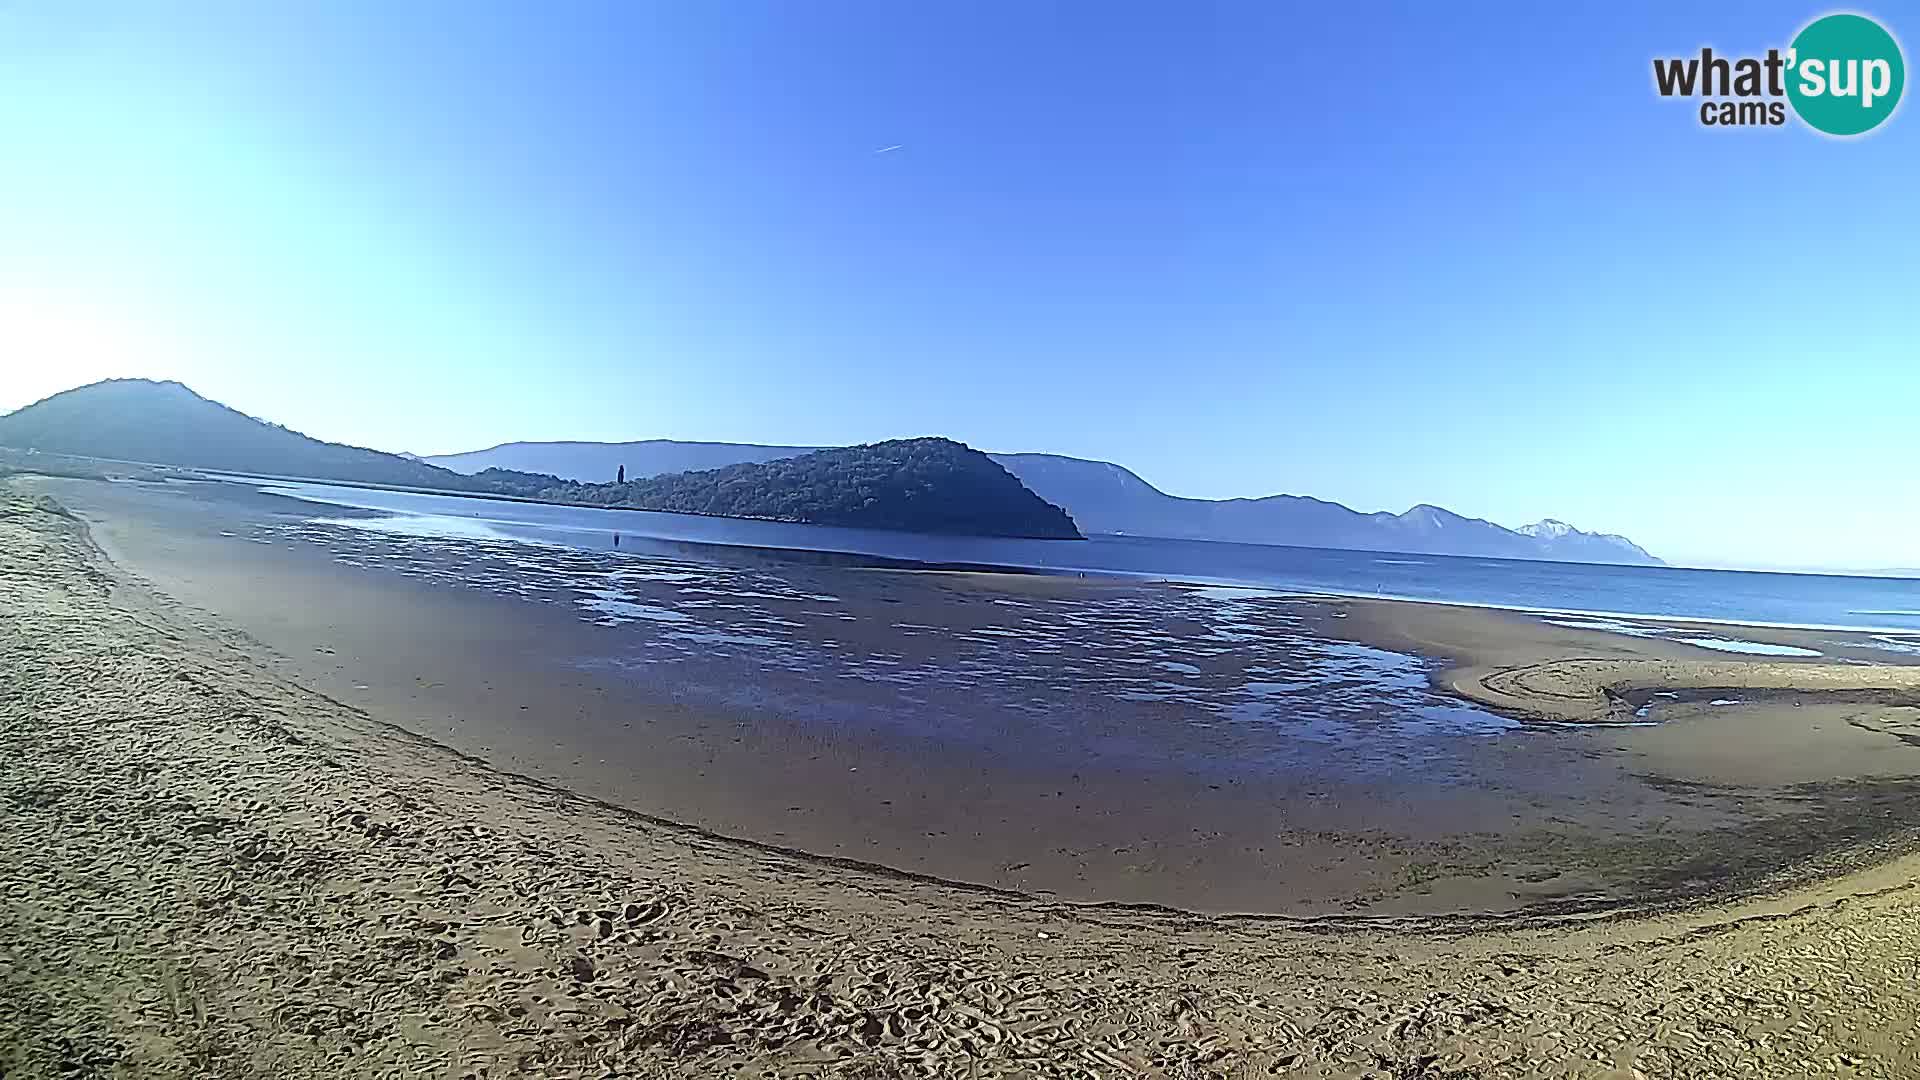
(1213, 749)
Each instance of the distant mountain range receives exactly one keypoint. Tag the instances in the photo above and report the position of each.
(1108, 498)
(922, 485)
(932, 485)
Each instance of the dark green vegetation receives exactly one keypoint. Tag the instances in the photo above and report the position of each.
(922, 485)
(1104, 497)
(926, 485)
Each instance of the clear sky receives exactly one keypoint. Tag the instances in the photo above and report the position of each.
(1384, 254)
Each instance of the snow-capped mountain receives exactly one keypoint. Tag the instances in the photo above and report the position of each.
(1546, 529)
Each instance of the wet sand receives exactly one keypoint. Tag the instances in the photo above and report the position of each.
(1126, 768)
(213, 870)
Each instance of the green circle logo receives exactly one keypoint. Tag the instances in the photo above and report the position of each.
(1845, 74)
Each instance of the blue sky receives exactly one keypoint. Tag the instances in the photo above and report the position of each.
(1383, 254)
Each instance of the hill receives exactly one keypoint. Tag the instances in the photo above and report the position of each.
(922, 485)
(164, 423)
(594, 462)
(1105, 497)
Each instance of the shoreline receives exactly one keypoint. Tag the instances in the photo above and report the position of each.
(1838, 862)
(1147, 577)
(1676, 622)
(1585, 685)
(228, 823)
(1449, 922)
(1680, 621)
(20, 464)
(1186, 583)
(1580, 691)
(1584, 820)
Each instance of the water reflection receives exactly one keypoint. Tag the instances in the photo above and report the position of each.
(1114, 670)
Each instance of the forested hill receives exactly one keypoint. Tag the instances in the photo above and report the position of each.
(1104, 497)
(923, 485)
(164, 423)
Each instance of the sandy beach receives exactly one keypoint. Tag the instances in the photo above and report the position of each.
(1086, 740)
(224, 860)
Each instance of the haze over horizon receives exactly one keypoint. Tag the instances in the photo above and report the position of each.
(1203, 245)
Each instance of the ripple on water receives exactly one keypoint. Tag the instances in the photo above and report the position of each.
(1894, 643)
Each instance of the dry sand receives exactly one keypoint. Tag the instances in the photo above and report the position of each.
(1610, 691)
(212, 871)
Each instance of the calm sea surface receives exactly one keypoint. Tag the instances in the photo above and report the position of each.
(1886, 604)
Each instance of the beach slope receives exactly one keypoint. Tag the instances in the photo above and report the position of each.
(213, 871)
